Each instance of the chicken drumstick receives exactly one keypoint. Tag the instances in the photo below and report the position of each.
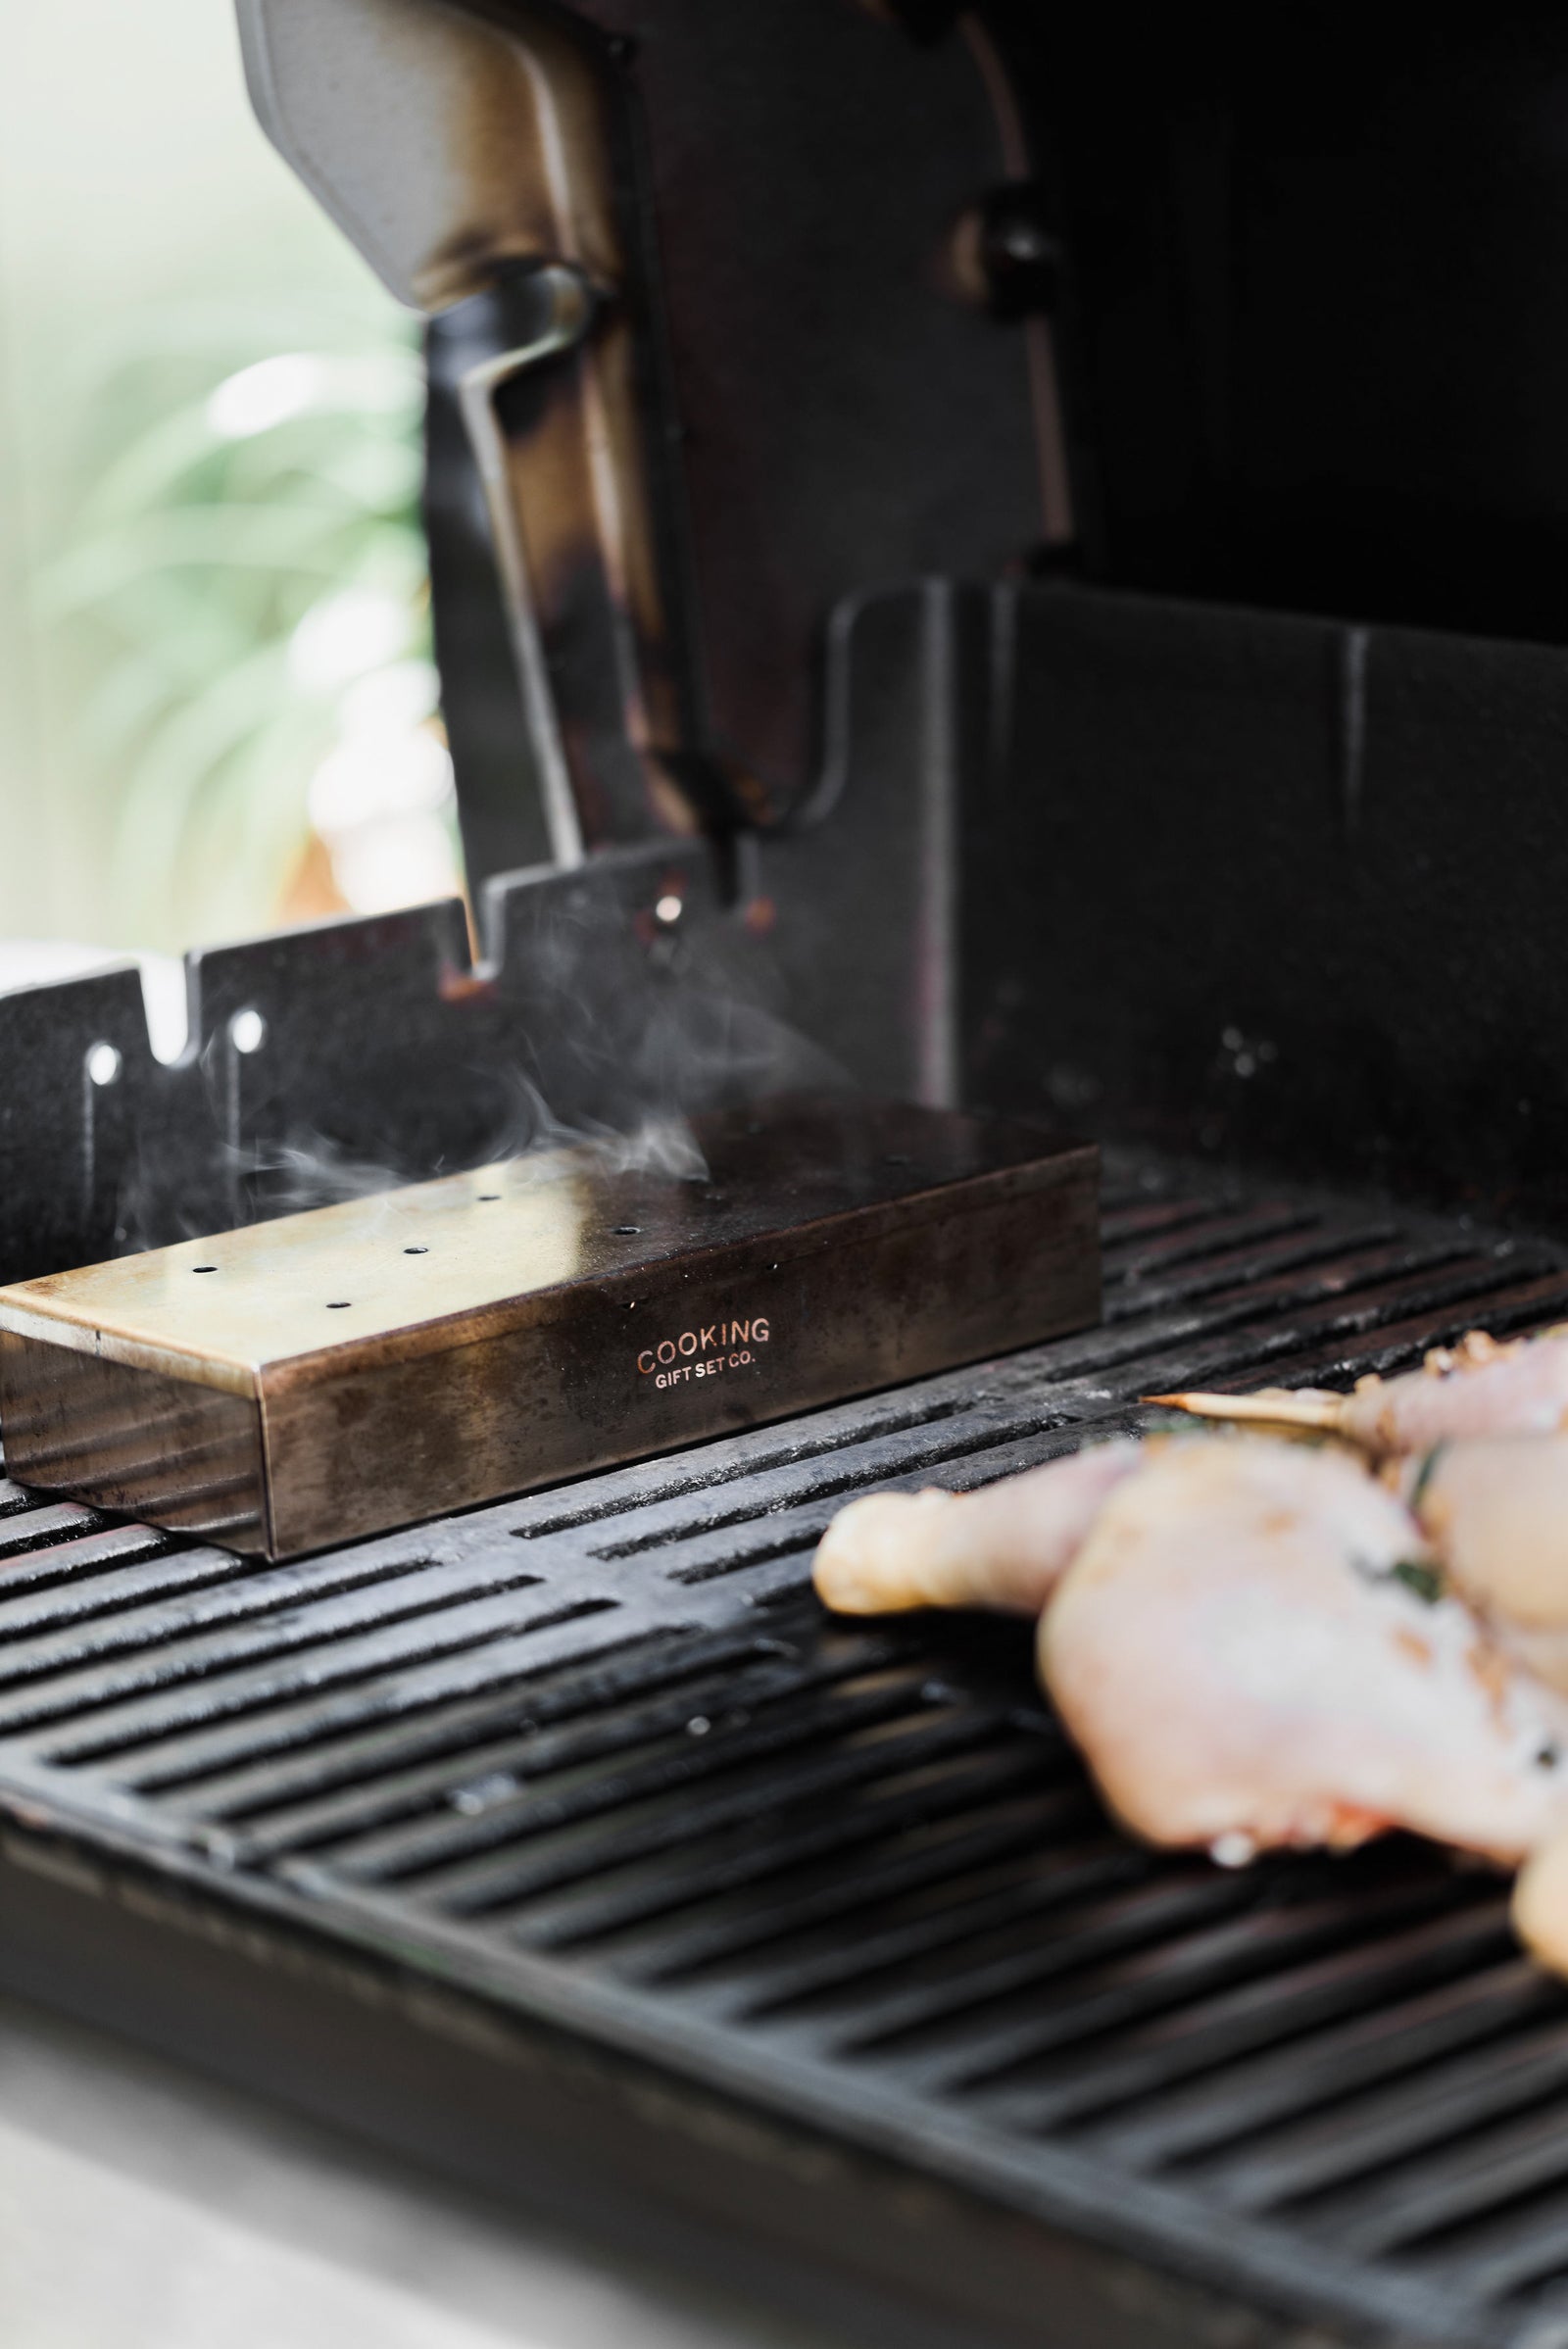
(1003, 1547)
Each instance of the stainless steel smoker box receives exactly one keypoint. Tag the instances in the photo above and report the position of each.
(339, 1372)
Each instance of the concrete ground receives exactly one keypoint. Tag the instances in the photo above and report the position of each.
(144, 2207)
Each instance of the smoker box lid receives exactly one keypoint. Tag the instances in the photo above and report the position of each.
(470, 1255)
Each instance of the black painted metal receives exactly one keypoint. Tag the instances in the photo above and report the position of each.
(377, 1044)
(598, 1758)
(1199, 873)
(837, 403)
(1274, 889)
(1315, 357)
(500, 792)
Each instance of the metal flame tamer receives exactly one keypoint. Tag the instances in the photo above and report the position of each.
(340, 1372)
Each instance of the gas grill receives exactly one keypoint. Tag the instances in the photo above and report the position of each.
(567, 1842)
(1008, 746)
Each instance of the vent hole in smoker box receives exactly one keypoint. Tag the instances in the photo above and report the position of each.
(247, 1030)
(103, 1063)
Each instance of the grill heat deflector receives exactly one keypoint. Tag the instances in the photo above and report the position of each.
(345, 1371)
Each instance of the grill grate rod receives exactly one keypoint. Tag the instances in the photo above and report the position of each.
(598, 1753)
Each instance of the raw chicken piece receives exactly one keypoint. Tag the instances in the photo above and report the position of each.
(1540, 1903)
(1003, 1548)
(1496, 1511)
(1242, 1665)
(1477, 1387)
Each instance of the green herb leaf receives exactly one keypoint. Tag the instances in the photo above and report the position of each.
(1419, 1491)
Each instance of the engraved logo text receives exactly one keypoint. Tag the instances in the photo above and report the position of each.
(703, 1352)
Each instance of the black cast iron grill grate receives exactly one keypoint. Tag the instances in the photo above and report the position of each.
(599, 1754)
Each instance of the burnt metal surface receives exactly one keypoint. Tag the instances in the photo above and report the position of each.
(598, 1762)
(333, 1374)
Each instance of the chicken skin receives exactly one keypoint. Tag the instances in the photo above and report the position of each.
(1540, 1903)
(1496, 1511)
(1239, 1655)
(1477, 1443)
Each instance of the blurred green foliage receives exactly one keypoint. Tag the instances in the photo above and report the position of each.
(245, 545)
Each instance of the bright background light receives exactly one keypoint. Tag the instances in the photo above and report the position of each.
(218, 711)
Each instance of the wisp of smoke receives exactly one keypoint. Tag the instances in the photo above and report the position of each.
(312, 1170)
(618, 1046)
